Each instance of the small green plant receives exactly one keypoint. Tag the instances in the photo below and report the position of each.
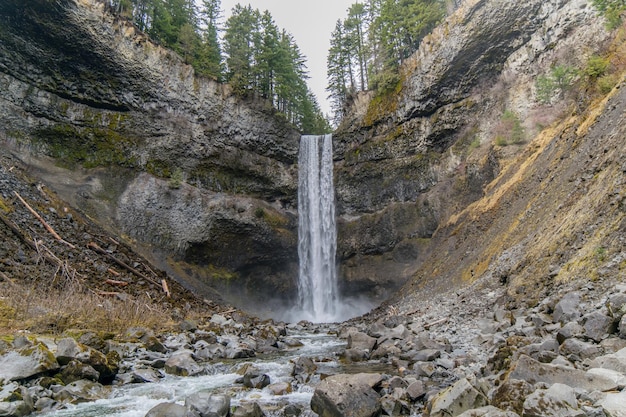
(606, 83)
(501, 141)
(475, 143)
(600, 253)
(612, 10)
(555, 84)
(176, 179)
(259, 212)
(597, 66)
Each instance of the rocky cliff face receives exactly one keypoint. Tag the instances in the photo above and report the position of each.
(409, 160)
(206, 183)
(191, 173)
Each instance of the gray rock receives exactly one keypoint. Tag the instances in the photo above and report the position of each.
(460, 397)
(532, 371)
(622, 327)
(557, 401)
(356, 355)
(614, 404)
(426, 355)
(598, 325)
(488, 411)
(361, 341)
(576, 349)
(619, 378)
(80, 391)
(182, 364)
(415, 390)
(511, 394)
(347, 396)
(569, 330)
(143, 375)
(256, 380)
(206, 404)
(15, 409)
(303, 368)
(247, 409)
(27, 362)
(76, 370)
(568, 308)
(615, 361)
(167, 410)
(68, 349)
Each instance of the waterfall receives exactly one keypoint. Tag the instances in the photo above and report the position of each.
(317, 232)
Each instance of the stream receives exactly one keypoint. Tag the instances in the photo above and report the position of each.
(135, 400)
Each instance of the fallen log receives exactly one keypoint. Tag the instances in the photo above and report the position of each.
(116, 283)
(43, 222)
(16, 230)
(94, 247)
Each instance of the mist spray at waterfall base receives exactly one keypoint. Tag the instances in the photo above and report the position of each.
(318, 295)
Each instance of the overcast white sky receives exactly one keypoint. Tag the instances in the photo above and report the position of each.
(311, 23)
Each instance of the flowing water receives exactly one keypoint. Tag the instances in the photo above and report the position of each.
(319, 300)
(135, 400)
(317, 233)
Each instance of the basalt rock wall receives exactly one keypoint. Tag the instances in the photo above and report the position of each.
(407, 160)
(202, 180)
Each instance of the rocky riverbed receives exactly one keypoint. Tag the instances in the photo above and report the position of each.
(471, 353)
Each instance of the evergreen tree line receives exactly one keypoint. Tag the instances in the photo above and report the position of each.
(254, 56)
(367, 47)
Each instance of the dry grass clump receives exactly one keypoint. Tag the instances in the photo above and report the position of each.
(52, 307)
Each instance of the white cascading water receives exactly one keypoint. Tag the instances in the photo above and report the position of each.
(317, 232)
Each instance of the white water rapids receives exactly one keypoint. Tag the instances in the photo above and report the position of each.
(135, 400)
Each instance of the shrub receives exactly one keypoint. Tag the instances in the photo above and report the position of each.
(176, 179)
(597, 66)
(556, 83)
(606, 83)
(509, 129)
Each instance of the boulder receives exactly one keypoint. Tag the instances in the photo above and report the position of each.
(303, 368)
(27, 362)
(577, 350)
(76, 370)
(614, 404)
(622, 327)
(488, 411)
(568, 308)
(532, 371)
(167, 410)
(256, 380)
(511, 394)
(280, 388)
(557, 401)
(247, 409)
(619, 378)
(415, 390)
(15, 400)
(598, 325)
(143, 375)
(182, 364)
(347, 396)
(615, 361)
(460, 397)
(569, 330)
(80, 392)
(69, 349)
(206, 404)
(15, 409)
(361, 341)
